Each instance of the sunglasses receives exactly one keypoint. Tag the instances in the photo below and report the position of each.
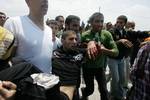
(2, 17)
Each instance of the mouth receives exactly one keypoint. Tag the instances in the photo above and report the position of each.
(73, 47)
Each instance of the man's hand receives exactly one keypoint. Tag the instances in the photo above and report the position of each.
(7, 90)
(126, 43)
(102, 48)
(92, 50)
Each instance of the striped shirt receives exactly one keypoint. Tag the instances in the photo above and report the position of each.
(140, 74)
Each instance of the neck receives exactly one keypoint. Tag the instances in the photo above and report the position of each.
(95, 31)
(64, 49)
(37, 20)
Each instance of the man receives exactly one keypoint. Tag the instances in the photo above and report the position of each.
(100, 44)
(2, 18)
(117, 64)
(67, 62)
(55, 27)
(60, 19)
(6, 47)
(72, 22)
(130, 26)
(140, 74)
(33, 41)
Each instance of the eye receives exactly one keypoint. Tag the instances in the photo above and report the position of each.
(73, 39)
(99, 21)
(2, 17)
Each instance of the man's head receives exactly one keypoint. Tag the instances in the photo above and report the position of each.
(96, 21)
(121, 22)
(72, 22)
(2, 18)
(38, 7)
(130, 25)
(60, 20)
(69, 40)
(55, 27)
(109, 25)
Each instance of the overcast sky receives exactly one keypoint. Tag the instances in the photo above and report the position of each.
(135, 10)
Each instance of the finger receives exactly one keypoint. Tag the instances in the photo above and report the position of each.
(89, 55)
(128, 44)
(3, 92)
(94, 51)
(9, 85)
(1, 98)
(7, 93)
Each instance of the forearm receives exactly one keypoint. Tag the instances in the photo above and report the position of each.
(110, 52)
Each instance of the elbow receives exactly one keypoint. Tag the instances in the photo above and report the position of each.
(115, 53)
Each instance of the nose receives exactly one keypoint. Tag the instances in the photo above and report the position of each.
(75, 40)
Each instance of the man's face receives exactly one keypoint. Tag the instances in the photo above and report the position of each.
(97, 23)
(38, 6)
(109, 26)
(70, 42)
(61, 22)
(2, 19)
(55, 29)
(74, 26)
(120, 24)
(130, 26)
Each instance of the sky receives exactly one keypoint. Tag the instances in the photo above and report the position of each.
(136, 10)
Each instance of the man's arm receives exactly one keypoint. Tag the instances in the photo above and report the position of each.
(111, 49)
(10, 25)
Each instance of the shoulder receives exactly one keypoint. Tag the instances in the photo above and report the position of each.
(106, 33)
(14, 19)
(145, 48)
(12, 23)
(11, 20)
(47, 28)
(48, 31)
(58, 53)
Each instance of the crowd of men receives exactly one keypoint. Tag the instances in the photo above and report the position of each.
(49, 58)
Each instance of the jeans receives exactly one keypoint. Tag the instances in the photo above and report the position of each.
(117, 68)
(98, 73)
(127, 70)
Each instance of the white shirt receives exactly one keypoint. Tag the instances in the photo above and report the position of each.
(33, 44)
(57, 43)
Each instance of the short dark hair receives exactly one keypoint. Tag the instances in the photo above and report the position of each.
(123, 17)
(71, 18)
(67, 33)
(52, 21)
(1, 13)
(95, 15)
(57, 17)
